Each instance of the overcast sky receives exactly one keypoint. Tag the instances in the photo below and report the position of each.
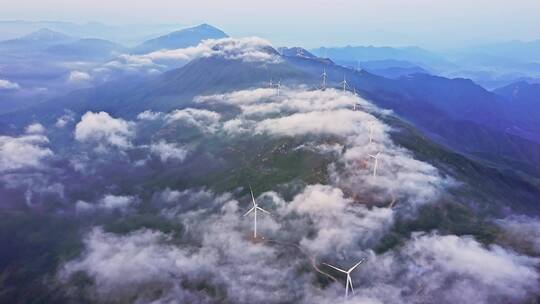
(428, 23)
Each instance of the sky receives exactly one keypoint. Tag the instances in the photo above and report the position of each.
(312, 23)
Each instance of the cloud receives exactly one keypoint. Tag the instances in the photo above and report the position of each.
(168, 151)
(149, 115)
(8, 85)
(78, 76)
(337, 224)
(35, 128)
(329, 113)
(263, 101)
(109, 202)
(23, 152)
(215, 251)
(452, 269)
(202, 119)
(63, 120)
(522, 230)
(248, 49)
(104, 130)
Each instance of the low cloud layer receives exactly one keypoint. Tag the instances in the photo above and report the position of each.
(247, 49)
(8, 85)
(78, 77)
(104, 130)
(109, 202)
(27, 151)
(168, 151)
(217, 253)
(399, 176)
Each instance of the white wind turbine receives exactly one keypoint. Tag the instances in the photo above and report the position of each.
(354, 103)
(376, 164)
(254, 209)
(344, 84)
(371, 132)
(278, 86)
(324, 76)
(348, 272)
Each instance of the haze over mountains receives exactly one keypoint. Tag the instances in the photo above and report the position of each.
(132, 166)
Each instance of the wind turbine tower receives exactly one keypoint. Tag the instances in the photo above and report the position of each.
(254, 210)
(278, 87)
(349, 280)
(324, 76)
(344, 84)
(371, 132)
(354, 102)
(376, 164)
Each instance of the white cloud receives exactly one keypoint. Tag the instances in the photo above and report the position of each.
(248, 49)
(8, 85)
(459, 269)
(108, 202)
(329, 113)
(168, 151)
(105, 130)
(203, 119)
(522, 230)
(317, 122)
(35, 128)
(339, 224)
(262, 101)
(149, 115)
(22, 152)
(78, 76)
(63, 120)
(215, 251)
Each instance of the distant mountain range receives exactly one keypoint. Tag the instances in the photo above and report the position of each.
(455, 112)
(180, 39)
(414, 55)
(130, 34)
(499, 126)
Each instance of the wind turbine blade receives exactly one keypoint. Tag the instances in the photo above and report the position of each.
(335, 268)
(372, 156)
(361, 261)
(261, 209)
(252, 196)
(249, 211)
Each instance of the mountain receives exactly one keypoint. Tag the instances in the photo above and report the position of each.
(180, 39)
(415, 55)
(86, 49)
(35, 41)
(522, 103)
(387, 68)
(129, 34)
(517, 51)
(454, 112)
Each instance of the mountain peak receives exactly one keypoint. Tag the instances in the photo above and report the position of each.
(181, 39)
(46, 34)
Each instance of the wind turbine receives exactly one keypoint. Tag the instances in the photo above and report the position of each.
(278, 86)
(354, 104)
(344, 83)
(323, 76)
(348, 272)
(371, 132)
(376, 164)
(254, 209)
